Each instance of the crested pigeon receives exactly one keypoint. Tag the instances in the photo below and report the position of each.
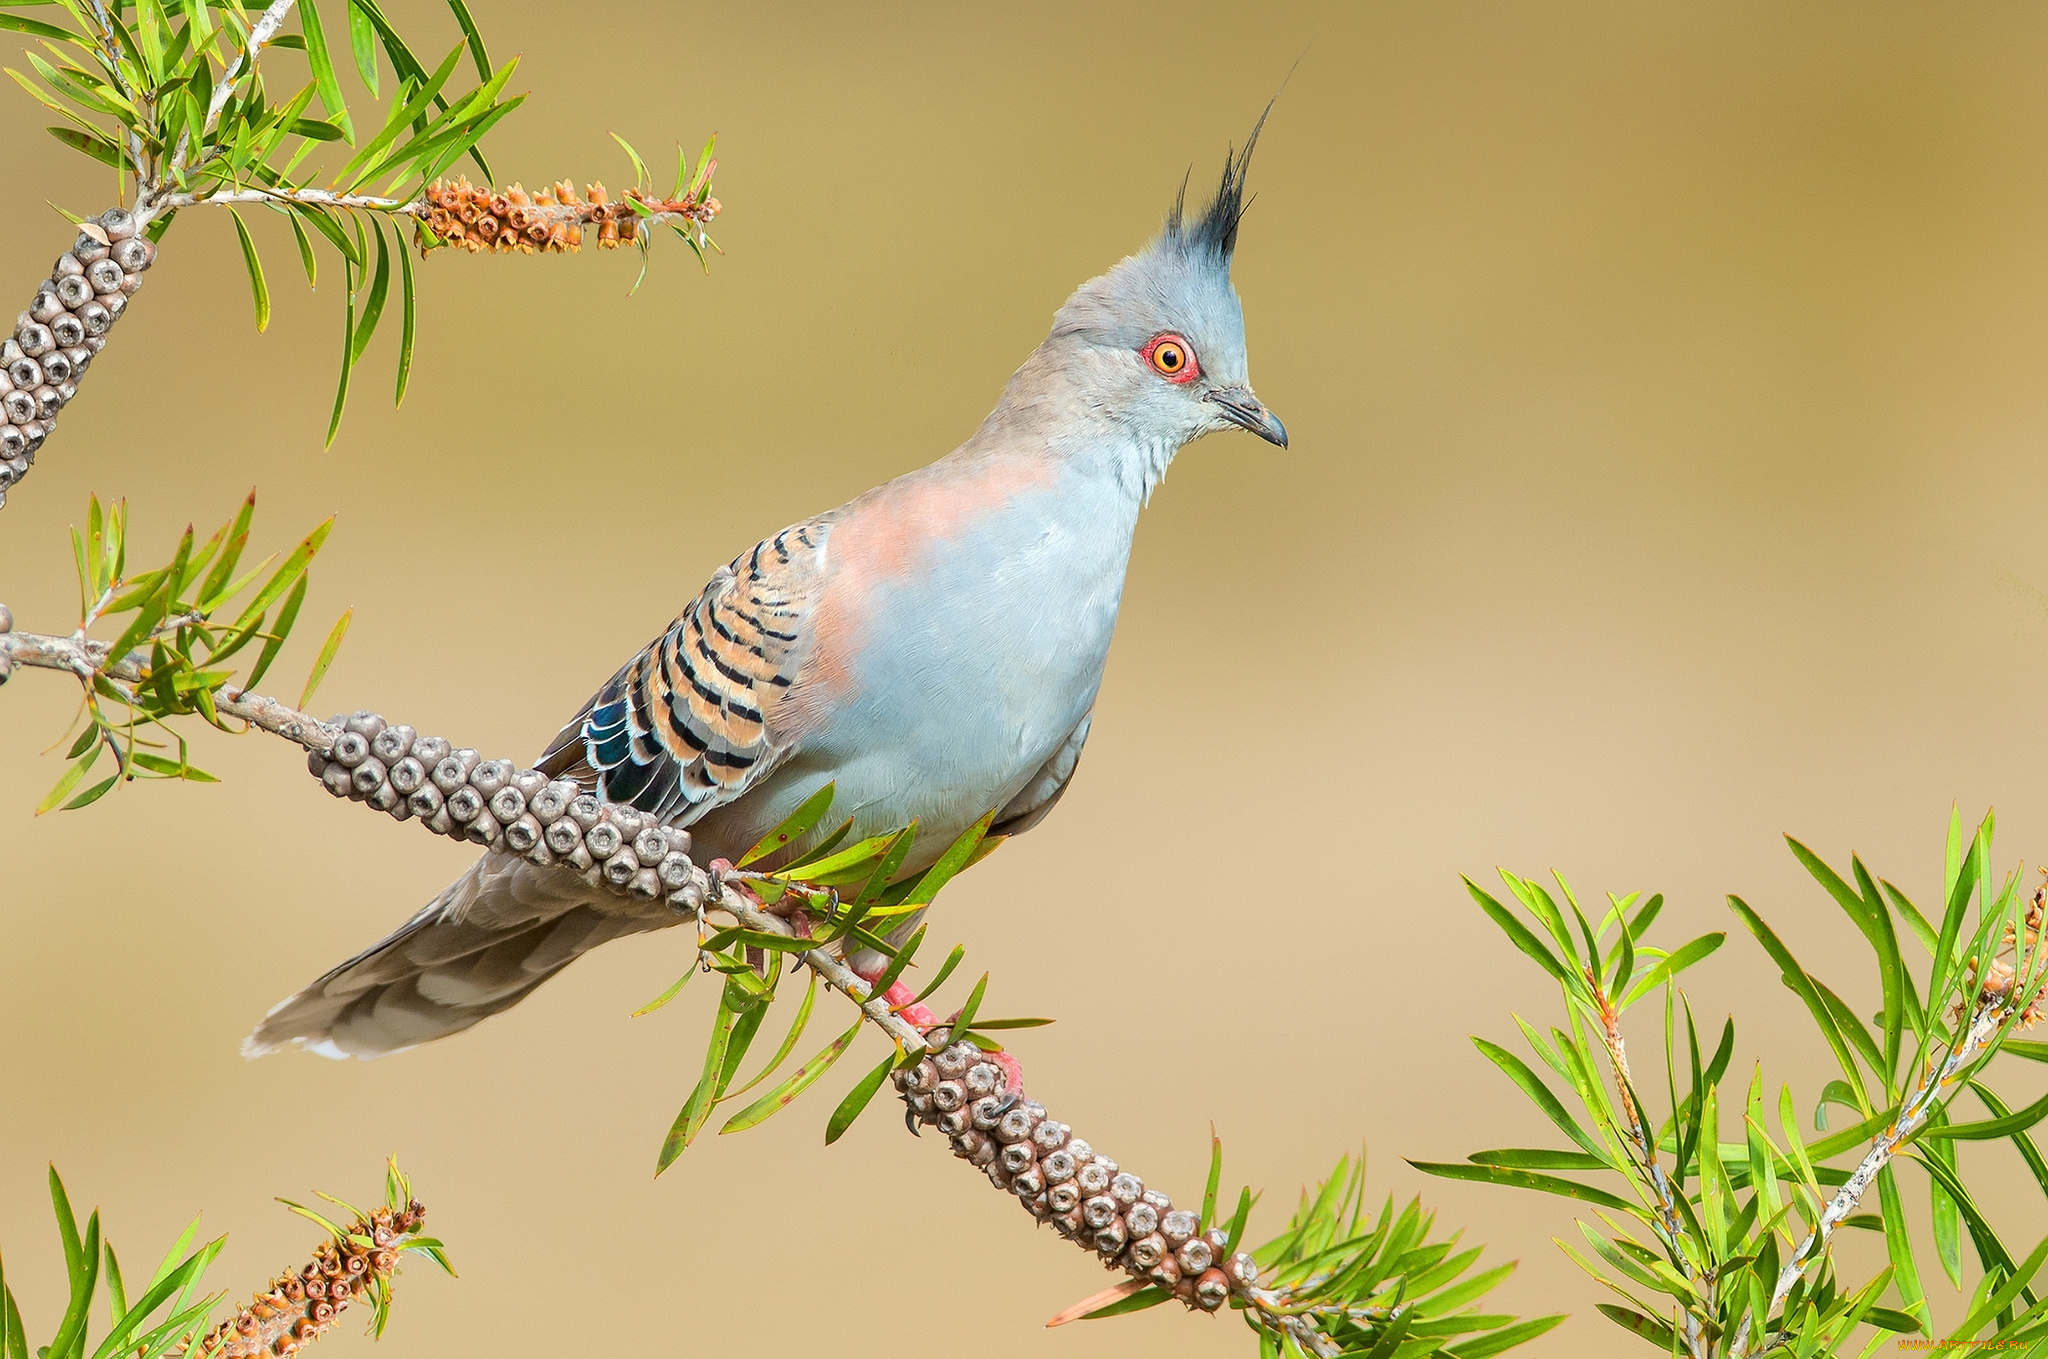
(933, 648)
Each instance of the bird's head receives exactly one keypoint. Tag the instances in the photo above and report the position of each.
(1158, 341)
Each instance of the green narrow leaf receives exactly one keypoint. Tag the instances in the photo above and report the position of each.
(324, 78)
(857, 1099)
(362, 41)
(474, 38)
(698, 1107)
(409, 322)
(348, 344)
(373, 306)
(964, 1021)
(1801, 985)
(957, 857)
(665, 997)
(641, 178)
(286, 616)
(70, 779)
(778, 1099)
(98, 147)
(789, 1041)
(305, 244)
(1539, 1094)
(1520, 934)
(1527, 1179)
(945, 971)
(793, 827)
(327, 650)
(1672, 965)
(1900, 1245)
(1215, 1179)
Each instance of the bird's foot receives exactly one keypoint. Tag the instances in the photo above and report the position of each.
(724, 874)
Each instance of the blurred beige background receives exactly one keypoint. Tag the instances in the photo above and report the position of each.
(1665, 384)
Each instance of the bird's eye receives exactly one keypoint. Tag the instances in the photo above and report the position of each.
(1171, 358)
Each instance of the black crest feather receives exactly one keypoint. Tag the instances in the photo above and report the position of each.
(1214, 233)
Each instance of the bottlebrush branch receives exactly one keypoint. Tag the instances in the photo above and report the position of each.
(177, 100)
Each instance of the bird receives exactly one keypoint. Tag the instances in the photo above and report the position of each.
(932, 649)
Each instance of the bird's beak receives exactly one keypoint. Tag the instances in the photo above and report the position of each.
(1241, 408)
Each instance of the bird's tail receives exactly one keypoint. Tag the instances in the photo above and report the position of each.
(495, 934)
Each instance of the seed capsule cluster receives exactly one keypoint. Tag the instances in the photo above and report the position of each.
(519, 811)
(477, 217)
(6, 661)
(298, 1308)
(55, 339)
(1062, 1180)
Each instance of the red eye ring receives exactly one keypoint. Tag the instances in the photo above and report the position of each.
(1172, 357)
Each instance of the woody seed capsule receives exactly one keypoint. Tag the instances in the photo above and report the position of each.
(1017, 1124)
(74, 291)
(1212, 1290)
(1099, 1211)
(430, 751)
(1195, 1256)
(407, 775)
(94, 316)
(48, 403)
(1109, 1242)
(604, 840)
(134, 254)
(1127, 1188)
(115, 303)
(1147, 1250)
(482, 831)
(393, 744)
(522, 833)
(1243, 1270)
(119, 222)
(1029, 1183)
(425, 801)
(68, 331)
(1059, 1166)
(56, 368)
(1094, 1177)
(507, 805)
(46, 308)
(20, 406)
(955, 1058)
(490, 775)
(363, 722)
(465, 804)
(1064, 1198)
(948, 1095)
(105, 276)
(564, 836)
(620, 868)
(1017, 1158)
(88, 249)
(551, 803)
(25, 373)
(651, 845)
(369, 776)
(1143, 1219)
(1050, 1135)
(1178, 1226)
(385, 798)
(351, 748)
(955, 1122)
(587, 810)
(12, 444)
(336, 779)
(674, 871)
